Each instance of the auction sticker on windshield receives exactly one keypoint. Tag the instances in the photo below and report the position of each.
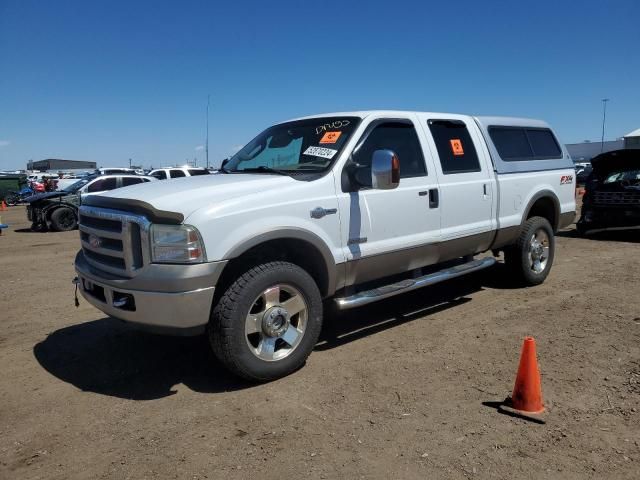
(320, 152)
(330, 137)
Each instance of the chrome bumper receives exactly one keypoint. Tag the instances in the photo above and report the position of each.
(175, 312)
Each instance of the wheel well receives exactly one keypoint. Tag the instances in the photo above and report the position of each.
(544, 207)
(299, 252)
(49, 211)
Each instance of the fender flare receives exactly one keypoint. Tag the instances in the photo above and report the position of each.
(537, 196)
(296, 234)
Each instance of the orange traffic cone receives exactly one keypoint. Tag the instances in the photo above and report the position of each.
(527, 392)
(4, 207)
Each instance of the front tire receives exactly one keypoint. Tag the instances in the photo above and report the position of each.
(531, 258)
(63, 219)
(266, 323)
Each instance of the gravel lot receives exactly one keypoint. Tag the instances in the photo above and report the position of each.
(400, 389)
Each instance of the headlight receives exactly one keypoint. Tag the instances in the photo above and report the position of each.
(176, 244)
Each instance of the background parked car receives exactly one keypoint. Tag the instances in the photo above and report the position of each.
(177, 172)
(59, 210)
(612, 192)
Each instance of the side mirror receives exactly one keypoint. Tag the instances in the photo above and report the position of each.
(385, 170)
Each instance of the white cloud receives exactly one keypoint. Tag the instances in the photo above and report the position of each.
(199, 148)
(4, 143)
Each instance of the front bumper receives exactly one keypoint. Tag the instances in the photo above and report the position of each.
(596, 217)
(180, 305)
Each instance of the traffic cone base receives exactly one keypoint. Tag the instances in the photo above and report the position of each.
(527, 391)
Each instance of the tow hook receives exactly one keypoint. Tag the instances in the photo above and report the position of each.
(75, 281)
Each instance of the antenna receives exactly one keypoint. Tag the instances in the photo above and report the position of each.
(604, 119)
(207, 142)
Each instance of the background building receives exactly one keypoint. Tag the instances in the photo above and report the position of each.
(632, 139)
(584, 152)
(59, 164)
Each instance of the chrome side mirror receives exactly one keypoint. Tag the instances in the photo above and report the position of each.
(385, 170)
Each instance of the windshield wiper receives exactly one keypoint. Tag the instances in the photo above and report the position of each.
(264, 169)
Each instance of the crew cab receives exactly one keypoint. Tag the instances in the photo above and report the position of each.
(349, 208)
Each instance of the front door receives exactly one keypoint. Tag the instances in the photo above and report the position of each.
(389, 231)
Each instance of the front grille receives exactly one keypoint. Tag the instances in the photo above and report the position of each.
(113, 240)
(616, 198)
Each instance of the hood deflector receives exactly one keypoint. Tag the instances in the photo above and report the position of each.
(134, 206)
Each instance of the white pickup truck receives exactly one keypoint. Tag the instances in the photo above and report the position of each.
(353, 207)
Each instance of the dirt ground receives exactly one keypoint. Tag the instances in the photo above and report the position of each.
(405, 388)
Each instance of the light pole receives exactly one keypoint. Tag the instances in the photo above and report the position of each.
(207, 142)
(604, 119)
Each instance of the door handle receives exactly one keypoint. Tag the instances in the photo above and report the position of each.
(434, 198)
(484, 189)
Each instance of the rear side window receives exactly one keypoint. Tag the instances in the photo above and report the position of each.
(197, 171)
(522, 144)
(455, 147)
(102, 184)
(160, 175)
(177, 173)
(126, 181)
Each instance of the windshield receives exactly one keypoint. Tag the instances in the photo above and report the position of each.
(303, 146)
(630, 175)
(74, 187)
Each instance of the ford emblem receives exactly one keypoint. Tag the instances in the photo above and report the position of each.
(94, 241)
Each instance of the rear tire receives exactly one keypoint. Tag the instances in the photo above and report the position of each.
(531, 258)
(266, 323)
(63, 219)
(12, 200)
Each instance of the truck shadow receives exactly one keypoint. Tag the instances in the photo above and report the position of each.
(351, 325)
(112, 358)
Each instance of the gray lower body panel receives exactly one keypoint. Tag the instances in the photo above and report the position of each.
(566, 219)
(383, 265)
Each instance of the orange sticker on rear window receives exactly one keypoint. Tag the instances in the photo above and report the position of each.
(456, 146)
(330, 137)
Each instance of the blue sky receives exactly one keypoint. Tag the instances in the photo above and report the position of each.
(110, 80)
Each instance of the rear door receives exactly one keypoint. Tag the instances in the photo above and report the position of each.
(466, 181)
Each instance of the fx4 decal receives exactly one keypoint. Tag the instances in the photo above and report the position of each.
(566, 179)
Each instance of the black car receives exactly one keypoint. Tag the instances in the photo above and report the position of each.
(612, 192)
(59, 210)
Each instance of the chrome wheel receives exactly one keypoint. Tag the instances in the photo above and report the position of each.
(276, 322)
(538, 251)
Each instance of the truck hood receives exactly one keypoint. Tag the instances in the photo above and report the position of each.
(44, 196)
(186, 195)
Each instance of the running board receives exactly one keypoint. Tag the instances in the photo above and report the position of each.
(386, 291)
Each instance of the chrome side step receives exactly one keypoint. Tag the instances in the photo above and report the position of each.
(386, 291)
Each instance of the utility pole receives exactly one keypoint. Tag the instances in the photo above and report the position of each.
(207, 142)
(129, 163)
(604, 119)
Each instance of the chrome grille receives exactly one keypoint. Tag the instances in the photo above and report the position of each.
(114, 241)
(617, 198)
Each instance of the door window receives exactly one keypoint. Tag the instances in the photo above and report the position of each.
(455, 147)
(399, 137)
(177, 173)
(102, 184)
(160, 175)
(126, 181)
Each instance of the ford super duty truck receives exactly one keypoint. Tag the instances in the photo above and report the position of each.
(348, 208)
